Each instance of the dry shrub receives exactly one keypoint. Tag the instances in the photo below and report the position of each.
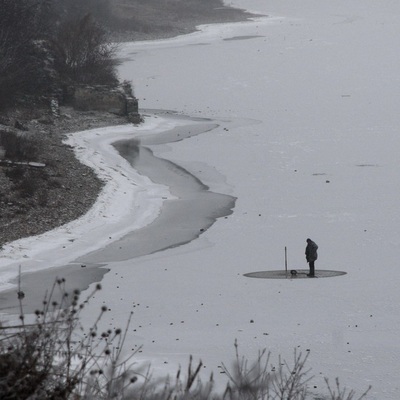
(55, 358)
(28, 185)
(19, 145)
(84, 54)
(262, 380)
(15, 173)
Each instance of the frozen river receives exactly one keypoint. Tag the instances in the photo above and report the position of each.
(311, 94)
(303, 106)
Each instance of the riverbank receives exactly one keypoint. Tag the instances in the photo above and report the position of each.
(148, 21)
(63, 190)
(132, 207)
(67, 189)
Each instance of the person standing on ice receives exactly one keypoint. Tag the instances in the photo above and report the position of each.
(311, 256)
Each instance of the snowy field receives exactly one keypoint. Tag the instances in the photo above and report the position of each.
(306, 103)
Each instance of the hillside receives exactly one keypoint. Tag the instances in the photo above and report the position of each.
(149, 19)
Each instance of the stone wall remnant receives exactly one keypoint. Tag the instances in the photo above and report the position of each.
(104, 98)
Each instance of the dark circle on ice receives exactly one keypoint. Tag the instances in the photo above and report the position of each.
(293, 274)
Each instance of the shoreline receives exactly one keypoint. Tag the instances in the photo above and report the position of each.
(174, 27)
(128, 210)
(91, 150)
(65, 189)
(73, 188)
(21, 249)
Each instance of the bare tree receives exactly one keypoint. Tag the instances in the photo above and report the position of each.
(32, 61)
(84, 54)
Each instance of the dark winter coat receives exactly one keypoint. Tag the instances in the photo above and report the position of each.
(311, 251)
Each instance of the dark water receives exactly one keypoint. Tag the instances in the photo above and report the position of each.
(180, 221)
(37, 285)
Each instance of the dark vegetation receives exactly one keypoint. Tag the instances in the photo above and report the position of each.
(46, 45)
(149, 19)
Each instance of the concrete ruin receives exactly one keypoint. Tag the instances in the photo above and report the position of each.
(119, 100)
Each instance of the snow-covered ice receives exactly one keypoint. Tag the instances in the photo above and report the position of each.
(307, 106)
